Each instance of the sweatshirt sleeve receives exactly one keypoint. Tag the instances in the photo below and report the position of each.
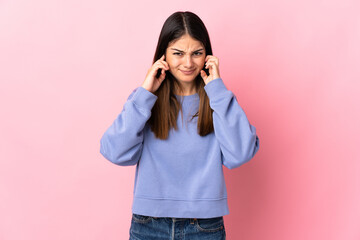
(122, 142)
(237, 137)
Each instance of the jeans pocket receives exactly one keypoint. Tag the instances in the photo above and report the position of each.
(210, 224)
(141, 218)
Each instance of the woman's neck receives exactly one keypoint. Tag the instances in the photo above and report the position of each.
(187, 89)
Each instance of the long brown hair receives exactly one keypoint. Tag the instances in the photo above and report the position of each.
(166, 108)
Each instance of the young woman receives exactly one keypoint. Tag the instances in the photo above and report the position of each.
(179, 190)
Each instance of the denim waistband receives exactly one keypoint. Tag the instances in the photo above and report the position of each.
(177, 219)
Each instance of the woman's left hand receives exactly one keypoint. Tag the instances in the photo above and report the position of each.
(211, 63)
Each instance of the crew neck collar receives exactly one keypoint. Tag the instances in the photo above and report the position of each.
(195, 95)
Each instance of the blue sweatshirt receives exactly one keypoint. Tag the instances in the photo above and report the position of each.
(181, 176)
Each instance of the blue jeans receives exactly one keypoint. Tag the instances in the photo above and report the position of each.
(153, 228)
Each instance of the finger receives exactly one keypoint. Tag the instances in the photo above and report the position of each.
(154, 69)
(162, 75)
(161, 60)
(214, 60)
(160, 64)
(203, 75)
(211, 63)
(166, 64)
(208, 56)
(213, 69)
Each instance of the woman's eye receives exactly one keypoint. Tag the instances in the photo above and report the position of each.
(195, 53)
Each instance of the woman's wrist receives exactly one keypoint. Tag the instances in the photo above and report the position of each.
(146, 88)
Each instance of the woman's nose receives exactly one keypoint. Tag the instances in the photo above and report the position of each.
(188, 63)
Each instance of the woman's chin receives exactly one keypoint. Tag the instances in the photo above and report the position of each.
(187, 78)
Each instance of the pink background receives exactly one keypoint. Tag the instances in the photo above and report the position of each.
(68, 66)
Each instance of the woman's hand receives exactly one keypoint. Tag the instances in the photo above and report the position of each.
(211, 63)
(151, 82)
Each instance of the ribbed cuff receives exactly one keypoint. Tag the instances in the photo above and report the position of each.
(144, 98)
(215, 88)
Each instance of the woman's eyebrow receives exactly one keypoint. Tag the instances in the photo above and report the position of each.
(183, 51)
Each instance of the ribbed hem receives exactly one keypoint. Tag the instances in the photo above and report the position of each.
(180, 208)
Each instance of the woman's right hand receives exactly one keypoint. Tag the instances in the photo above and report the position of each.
(151, 82)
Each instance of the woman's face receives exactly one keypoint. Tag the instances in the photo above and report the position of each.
(186, 58)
